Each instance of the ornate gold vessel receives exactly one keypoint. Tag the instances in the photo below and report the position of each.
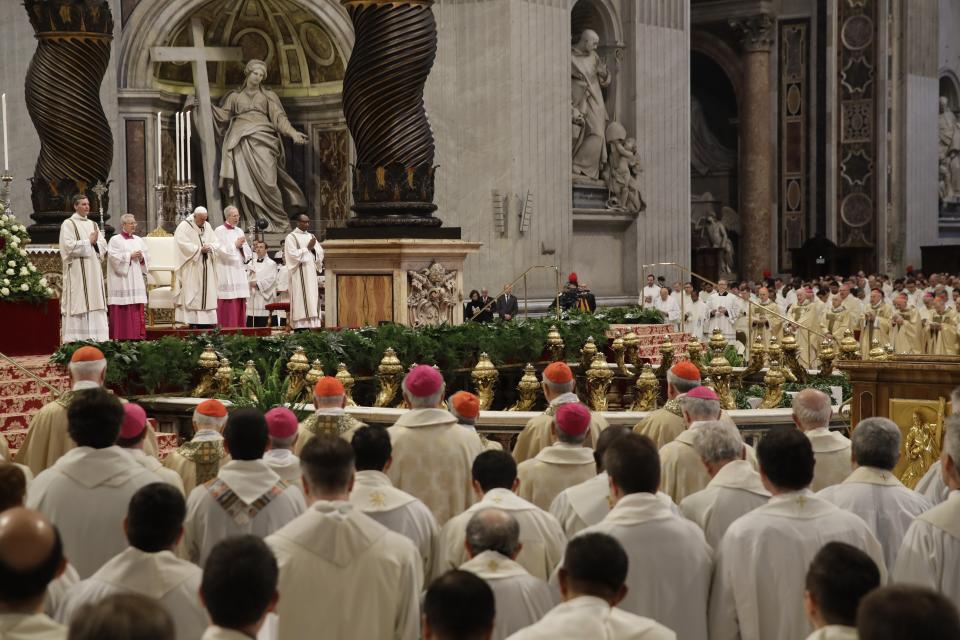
(773, 381)
(599, 377)
(631, 344)
(849, 347)
(347, 381)
(758, 354)
(297, 368)
(389, 377)
(695, 353)
(555, 344)
(207, 364)
(619, 354)
(828, 354)
(647, 390)
(877, 352)
(666, 358)
(720, 370)
(791, 362)
(224, 378)
(484, 377)
(527, 390)
(250, 380)
(587, 352)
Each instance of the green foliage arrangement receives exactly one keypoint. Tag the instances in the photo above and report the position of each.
(631, 315)
(19, 278)
(270, 392)
(821, 383)
(730, 353)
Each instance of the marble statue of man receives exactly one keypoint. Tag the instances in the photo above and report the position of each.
(590, 77)
(949, 150)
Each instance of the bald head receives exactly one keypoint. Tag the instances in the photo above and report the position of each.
(811, 409)
(31, 556)
(493, 530)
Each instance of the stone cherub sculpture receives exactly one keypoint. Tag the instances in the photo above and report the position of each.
(623, 171)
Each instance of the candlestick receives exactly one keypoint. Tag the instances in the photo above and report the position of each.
(189, 159)
(159, 149)
(6, 179)
(6, 153)
(176, 126)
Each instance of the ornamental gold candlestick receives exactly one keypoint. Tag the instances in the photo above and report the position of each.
(619, 353)
(347, 381)
(297, 368)
(599, 378)
(647, 390)
(587, 353)
(484, 377)
(208, 363)
(695, 353)
(389, 374)
(555, 344)
(666, 359)
(791, 362)
(527, 390)
(315, 373)
(758, 354)
(720, 370)
(773, 380)
(828, 354)
(224, 377)
(631, 344)
(250, 380)
(849, 347)
(876, 351)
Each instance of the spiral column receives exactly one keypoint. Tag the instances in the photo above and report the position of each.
(395, 47)
(63, 100)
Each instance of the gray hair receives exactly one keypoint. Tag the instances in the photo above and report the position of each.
(718, 441)
(812, 408)
(493, 530)
(682, 385)
(202, 210)
(556, 388)
(327, 402)
(951, 438)
(230, 208)
(283, 443)
(128, 217)
(427, 402)
(87, 370)
(876, 443)
(566, 438)
(700, 408)
(208, 422)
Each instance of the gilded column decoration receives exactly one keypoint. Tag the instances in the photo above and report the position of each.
(63, 99)
(794, 139)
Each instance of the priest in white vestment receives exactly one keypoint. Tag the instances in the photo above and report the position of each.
(330, 416)
(563, 464)
(96, 475)
(375, 495)
(199, 459)
(492, 542)
(757, 591)
(432, 454)
(246, 497)
(735, 487)
(658, 542)
(723, 310)
(839, 577)
(872, 491)
(593, 583)
(149, 566)
(31, 558)
(930, 553)
(559, 389)
(264, 274)
(127, 263)
(465, 407)
(132, 437)
(811, 414)
(303, 260)
(195, 286)
(233, 263)
(283, 426)
(354, 558)
(83, 302)
(239, 590)
(494, 484)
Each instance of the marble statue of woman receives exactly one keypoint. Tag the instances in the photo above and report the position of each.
(590, 77)
(250, 120)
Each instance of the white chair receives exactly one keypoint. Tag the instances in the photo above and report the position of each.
(161, 275)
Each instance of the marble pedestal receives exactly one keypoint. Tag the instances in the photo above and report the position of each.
(368, 281)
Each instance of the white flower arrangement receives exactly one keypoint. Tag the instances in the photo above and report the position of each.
(31, 267)
(10, 272)
(24, 271)
(12, 263)
(25, 287)
(4, 291)
(43, 282)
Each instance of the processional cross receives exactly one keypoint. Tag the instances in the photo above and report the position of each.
(199, 55)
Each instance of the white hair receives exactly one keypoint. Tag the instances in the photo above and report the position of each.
(208, 422)
(876, 443)
(700, 408)
(283, 443)
(327, 401)
(682, 385)
(87, 369)
(718, 441)
(557, 388)
(227, 211)
(128, 217)
(812, 408)
(427, 402)
(202, 210)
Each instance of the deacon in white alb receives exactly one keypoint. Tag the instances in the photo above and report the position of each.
(492, 542)
(282, 425)
(735, 487)
(233, 259)
(303, 260)
(264, 274)
(757, 591)
(195, 287)
(375, 495)
(149, 566)
(592, 585)
(872, 491)
(494, 483)
(83, 303)
(839, 577)
(811, 414)
(127, 264)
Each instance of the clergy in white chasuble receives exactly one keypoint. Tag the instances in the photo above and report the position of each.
(811, 414)
(339, 567)
(492, 543)
(872, 491)
(875, 322)
(263, 285)
(149, 566)
(494, 484)
(128, 261)
(839, 577)
(906, 330)
(83, 302)
(96, 477)
(762, 559)
(196, 285)
(246, 497)
(303, 260)
(432, 454)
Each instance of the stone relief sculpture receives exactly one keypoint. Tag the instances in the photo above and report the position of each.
(714, 234)
(623, 171)
(589, 77)
(949, 169)
(433, 294)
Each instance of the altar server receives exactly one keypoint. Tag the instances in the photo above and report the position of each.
(200, 458)
(839, 577)
(233, 261)
(195, 285)
(83, 302)
(811, 414)
(303, 259)
(264, 274)
(127, 264)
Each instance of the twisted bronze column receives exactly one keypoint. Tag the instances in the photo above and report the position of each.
(396, 44)
(63, 99)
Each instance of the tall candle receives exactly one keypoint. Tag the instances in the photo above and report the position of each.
(189, 159)
(159, 155)
(176, 126)
(6, 153)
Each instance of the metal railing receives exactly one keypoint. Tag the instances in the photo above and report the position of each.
(57, 392)
(526, 305)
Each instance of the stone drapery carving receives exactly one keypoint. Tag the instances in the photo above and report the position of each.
(949, 169)
(707, 154)
(433, 295)
(589, 77)
(623, 171)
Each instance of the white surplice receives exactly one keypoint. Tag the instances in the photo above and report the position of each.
(30, 626)
(590, 617)
(540, 534)
(432, 460)
(304, 267)
(586, 504)
(887, 506)
(220, 633)
(246, 498)
(125, 283)
(722, 313)
(263, 286)
(554, 469)
(285, 464)
(681, 470)
(670, 309)
(86, 494)
(834, 632)
(83, 301)
(832, 453)
(195, 287)
(348, 573)
(931, 485)
(163, 577)
(397, 510)
(930, 553)
(668, 578)
(232, 281)
(651, 293)
(734, 491)
(521, 599)
(169, 476)
(57, 590)
(762, 562)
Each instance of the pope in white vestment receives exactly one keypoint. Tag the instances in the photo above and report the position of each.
(195, 287)
(83, 302)
(128, 261)
(233, 287)
(735, 490)
(303, 263)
